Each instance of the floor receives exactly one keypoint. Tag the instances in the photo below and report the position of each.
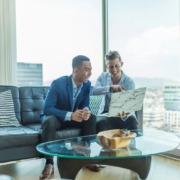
(161, 168)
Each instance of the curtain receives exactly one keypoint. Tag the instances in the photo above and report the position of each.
(8, 64)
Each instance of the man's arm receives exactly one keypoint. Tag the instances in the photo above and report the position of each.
(101, 86)
(50, 106)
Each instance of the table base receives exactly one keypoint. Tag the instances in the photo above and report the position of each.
(68, 168)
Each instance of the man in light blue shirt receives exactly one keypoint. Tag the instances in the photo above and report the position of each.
(115, 80)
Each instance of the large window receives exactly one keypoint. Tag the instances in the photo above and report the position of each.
(52, 32)
(146, 33)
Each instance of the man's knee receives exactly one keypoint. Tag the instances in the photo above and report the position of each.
(49, 121)
(132, 119)
(101, 124)
(132, 122)
(93, 118)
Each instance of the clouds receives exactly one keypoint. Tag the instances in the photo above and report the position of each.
(154, 42)
(52, 32)
(155, 52)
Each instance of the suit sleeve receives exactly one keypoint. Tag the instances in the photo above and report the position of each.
(51, 102)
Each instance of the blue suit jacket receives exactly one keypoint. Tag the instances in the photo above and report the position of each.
(59, 99)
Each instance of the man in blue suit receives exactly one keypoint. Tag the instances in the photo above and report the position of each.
(67, 105)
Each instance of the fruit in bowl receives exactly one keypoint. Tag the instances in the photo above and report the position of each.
(116, 138)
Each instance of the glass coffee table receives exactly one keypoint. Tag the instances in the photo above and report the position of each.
(74, 153)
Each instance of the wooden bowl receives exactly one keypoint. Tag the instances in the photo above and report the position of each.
(117, 138)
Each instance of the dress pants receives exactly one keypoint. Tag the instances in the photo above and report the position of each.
(108, 123)
(51, 124)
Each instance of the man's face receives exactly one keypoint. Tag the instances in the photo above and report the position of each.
(83, 73)
(114, 67)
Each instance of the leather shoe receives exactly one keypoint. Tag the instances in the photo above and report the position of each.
(47, 172)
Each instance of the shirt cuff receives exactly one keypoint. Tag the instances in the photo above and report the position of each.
(108, 88)
(124, 118)
(68, 116)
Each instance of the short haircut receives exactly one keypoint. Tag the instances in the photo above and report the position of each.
(77, 61)
(111, 55)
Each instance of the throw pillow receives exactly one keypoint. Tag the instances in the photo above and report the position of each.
(95, 102)
(7, 114)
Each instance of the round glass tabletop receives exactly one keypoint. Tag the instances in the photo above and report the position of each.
(87, 147)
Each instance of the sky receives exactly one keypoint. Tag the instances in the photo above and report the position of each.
(146, 33)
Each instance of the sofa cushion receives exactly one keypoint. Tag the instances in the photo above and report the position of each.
(18, 136)
(37, 127)
(7, 114)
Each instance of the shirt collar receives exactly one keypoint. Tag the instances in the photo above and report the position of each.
(74, 85)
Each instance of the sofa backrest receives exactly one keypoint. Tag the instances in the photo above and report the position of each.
(29, 102)
(15, 96)
(32, 101)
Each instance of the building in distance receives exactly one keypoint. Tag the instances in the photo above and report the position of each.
(29, 74)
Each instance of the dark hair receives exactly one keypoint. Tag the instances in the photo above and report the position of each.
(77, 61)
(111, 55)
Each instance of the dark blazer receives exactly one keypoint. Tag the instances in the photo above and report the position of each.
(59, 98)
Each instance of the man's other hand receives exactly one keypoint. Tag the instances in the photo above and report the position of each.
(123, 114)
(86, 113)
(116, 88)
(77, 116)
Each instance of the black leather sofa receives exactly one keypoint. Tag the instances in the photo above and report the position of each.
(18, 143)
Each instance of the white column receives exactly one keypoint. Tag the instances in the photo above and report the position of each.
(8, 64)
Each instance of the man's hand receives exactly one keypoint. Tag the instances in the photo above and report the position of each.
(77, 116)
(80, 115)
(86, 114)
(123, 114)
(116, 88)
